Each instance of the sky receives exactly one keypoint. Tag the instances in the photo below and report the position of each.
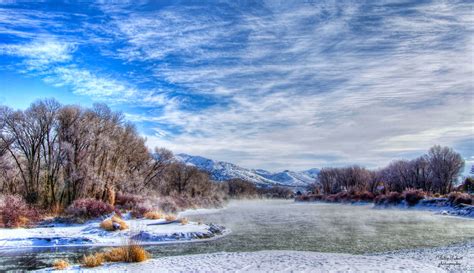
(263, 84)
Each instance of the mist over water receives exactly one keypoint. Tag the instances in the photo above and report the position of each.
(286, 225)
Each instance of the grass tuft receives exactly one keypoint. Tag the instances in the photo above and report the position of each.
(93, 260)
(170, 217)
(113, 224)
(154, 215)
(184, 221)
(60, 264)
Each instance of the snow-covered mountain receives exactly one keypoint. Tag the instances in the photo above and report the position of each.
(220, 171)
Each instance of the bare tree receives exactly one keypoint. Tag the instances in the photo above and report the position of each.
(445, 167)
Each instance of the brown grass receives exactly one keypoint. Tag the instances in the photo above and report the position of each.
(108, 224)
(184, 221)
(93, 260)
(116, 254)
(137, 254)
(154, 215)
(132, 253)
(23, 221)
(170, 217)
(60, 264)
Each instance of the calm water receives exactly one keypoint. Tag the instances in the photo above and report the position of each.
(285, 225)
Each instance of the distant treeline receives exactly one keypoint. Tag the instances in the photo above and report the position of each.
(435, 172)
(53, 154)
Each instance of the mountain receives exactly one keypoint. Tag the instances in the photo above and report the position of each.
(220, 171)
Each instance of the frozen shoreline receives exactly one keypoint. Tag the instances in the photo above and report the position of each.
(272, 261)
(146, 231)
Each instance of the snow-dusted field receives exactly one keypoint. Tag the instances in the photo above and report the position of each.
(90, 234)
(273, 261)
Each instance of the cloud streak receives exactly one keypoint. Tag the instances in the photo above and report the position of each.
(290, 85)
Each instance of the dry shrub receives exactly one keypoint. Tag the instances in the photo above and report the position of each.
(154, 215)
(93, 260)
(127, 201)
(60, 264)
(139, 211)
(394, 198)
(116, 254)
(315, 197)
(338, 197)
(113, 224)
(413, 196)
(137, 254)
(365, 196)
(15, 213)
(437, 195)
(184, 221)
(107, 224)
(170, 217)
(132, 253)
(83, 209)
(457, 198)
(391, 198)
(303, 198)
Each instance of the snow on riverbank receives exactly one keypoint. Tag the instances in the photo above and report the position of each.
(272, 261)
(453, 258)
(90, 233)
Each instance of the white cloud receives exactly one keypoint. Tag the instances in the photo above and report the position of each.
(40, 54)
(401, 85)
(293, 85)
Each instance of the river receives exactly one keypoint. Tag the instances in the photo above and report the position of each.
(286, 225)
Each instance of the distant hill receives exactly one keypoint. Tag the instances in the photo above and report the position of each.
(220, 171)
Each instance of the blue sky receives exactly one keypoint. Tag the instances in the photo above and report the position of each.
(274, 85)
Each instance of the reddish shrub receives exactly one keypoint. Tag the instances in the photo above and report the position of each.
(127, 201)
(139, 211)
(457, 198)
(302, 198)
(168, 205)
(309, 197)
(392, 198)
(366, 196)
(15, 212)
(413, 196)
(89, 208)
(316, 197)
(380, 199)
(361, 196)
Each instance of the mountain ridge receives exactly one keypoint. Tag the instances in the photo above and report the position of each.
(221, 171)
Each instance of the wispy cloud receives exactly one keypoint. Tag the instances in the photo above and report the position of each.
(287, 85)
(39, 55)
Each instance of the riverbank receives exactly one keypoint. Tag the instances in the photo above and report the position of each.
(441, 206)
(146, 231)
(261, 225)
(271, 261)
(453, 258)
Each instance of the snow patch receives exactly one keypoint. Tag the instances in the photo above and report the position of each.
(145, 230)
(272, 261)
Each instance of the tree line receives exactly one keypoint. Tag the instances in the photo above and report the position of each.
(53, 154)
(437, 171)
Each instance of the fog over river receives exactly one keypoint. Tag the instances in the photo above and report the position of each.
(286, 225)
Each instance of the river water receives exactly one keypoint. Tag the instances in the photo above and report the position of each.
(286, 225)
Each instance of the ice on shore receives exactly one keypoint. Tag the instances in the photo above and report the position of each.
(271, 261)
(90, 233)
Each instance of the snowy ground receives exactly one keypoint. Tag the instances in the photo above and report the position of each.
(144, 230)
(453, 258)
(273, 261)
